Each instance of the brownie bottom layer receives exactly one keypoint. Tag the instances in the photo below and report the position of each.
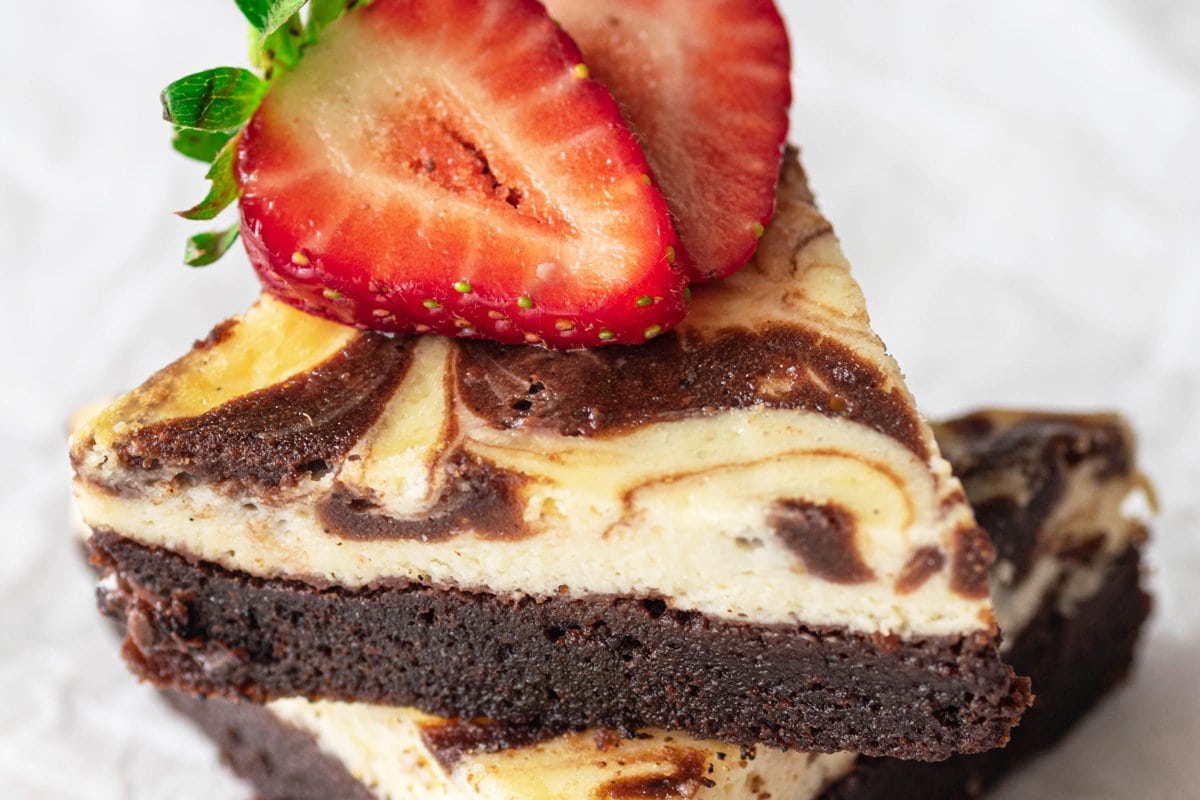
(555, 665)
(280, 761)
(1074, 660)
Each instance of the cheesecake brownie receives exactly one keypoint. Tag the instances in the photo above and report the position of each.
(742, 529)
(1067, 592)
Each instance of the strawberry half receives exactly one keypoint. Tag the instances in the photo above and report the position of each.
(448, 166)
(706, 84)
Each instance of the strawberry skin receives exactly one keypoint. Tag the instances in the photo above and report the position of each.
(448, 166)
(706, 84)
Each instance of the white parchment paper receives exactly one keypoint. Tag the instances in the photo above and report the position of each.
(1017, 184)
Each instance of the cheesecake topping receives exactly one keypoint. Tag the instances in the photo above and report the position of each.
(615, 390)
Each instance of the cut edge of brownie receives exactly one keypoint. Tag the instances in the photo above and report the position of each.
(554, 665)
(281, 761)
(1075, 660)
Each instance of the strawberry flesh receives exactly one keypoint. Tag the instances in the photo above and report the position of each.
(446, 166)
(706, 84)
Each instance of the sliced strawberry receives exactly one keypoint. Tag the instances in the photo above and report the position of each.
(706, 84)
(448, 166)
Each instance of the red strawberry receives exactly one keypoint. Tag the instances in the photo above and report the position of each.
(706, 84)
(448, 166)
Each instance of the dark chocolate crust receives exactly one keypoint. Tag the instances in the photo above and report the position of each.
(557, 664)
(1074, 660)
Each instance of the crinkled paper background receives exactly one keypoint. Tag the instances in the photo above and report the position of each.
(1017, 184)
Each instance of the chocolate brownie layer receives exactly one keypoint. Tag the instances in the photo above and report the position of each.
(1074, 659)
(553, 665)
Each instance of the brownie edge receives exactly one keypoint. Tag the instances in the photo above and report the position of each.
(281, 762)
(557, 664)
(1074, 661)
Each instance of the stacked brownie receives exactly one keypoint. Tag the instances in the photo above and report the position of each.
(1066, 588)
(730, 562)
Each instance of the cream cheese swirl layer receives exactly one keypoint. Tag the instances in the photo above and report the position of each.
(764, 462)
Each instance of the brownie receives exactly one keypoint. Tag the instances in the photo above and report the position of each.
(1074, 659)
(743, 529)
(553, 664)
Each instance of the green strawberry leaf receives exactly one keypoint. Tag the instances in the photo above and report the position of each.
(214, 100)
(205, 248)
(224, 186)
(200, 145)
(209, 108)
(267, 16)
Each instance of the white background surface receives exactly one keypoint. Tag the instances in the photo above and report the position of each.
(1017, 184)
